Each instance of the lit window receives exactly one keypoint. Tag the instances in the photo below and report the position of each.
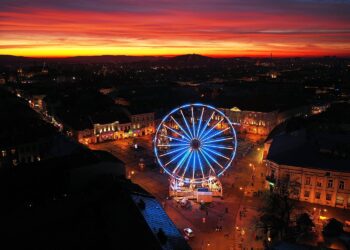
(319, 184)
(339, 200)
(3, 153)
(341, 185)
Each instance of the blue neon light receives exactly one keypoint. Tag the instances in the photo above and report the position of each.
(189, 145)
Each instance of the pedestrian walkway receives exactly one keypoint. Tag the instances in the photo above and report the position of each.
(245, 231)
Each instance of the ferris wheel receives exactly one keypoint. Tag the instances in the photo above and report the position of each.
(195, 142)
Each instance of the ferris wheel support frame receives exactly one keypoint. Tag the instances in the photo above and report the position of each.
(189, 134)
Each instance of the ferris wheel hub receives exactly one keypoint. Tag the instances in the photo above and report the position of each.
(195, 144)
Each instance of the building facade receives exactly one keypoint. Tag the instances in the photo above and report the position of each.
(142, 124)
(319, 186)
(139, 125)
(252, 122)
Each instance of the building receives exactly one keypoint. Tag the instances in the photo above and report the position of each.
(82, 201)
(25, 137)
(142, 122)
(105, 126)
(114, 125)
(318, 164)
(252, 122)
(263, 122)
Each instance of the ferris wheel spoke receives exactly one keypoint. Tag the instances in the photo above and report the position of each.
(173, 145)
(200, 164)
(212, 158)
(211, 129)
(200, 123)
(215, 134)
(219, 140)
(182, 161)
(217, 146)
(174, 151)
(182, 129)
(173, 130)
(193, 127)
(175, 158)
(194, 164)
(186, 123)
(206, 125)
(174, 138)
(187, 164)
(216, 153)
(206, 159)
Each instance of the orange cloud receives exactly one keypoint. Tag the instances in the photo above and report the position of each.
(33, 31)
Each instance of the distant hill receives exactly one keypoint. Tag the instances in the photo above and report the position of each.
(186, 59)
(112, 59)
(192, 58)
(7, 59)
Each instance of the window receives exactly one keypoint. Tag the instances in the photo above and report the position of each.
(319, 184)
(308, 181)
(307, 194)
(339, 200)
(330, 184)
(3, 152)
(317, 195)
(288, 177)
(328, 197)
(272, 173)
(341, 185)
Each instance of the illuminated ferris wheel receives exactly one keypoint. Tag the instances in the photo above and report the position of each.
(195, 142)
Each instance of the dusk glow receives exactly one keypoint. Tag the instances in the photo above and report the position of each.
(218, 28)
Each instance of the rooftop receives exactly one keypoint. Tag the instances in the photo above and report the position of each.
(20, 124)
(321, 151)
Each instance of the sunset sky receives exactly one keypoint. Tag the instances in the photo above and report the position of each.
(44, 28)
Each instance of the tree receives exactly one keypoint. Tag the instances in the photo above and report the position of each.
(333, 228)
(276, 211)
(304, 227)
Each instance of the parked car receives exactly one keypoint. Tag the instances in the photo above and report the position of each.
(188, 232)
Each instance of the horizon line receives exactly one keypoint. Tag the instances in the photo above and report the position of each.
(176, 55)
